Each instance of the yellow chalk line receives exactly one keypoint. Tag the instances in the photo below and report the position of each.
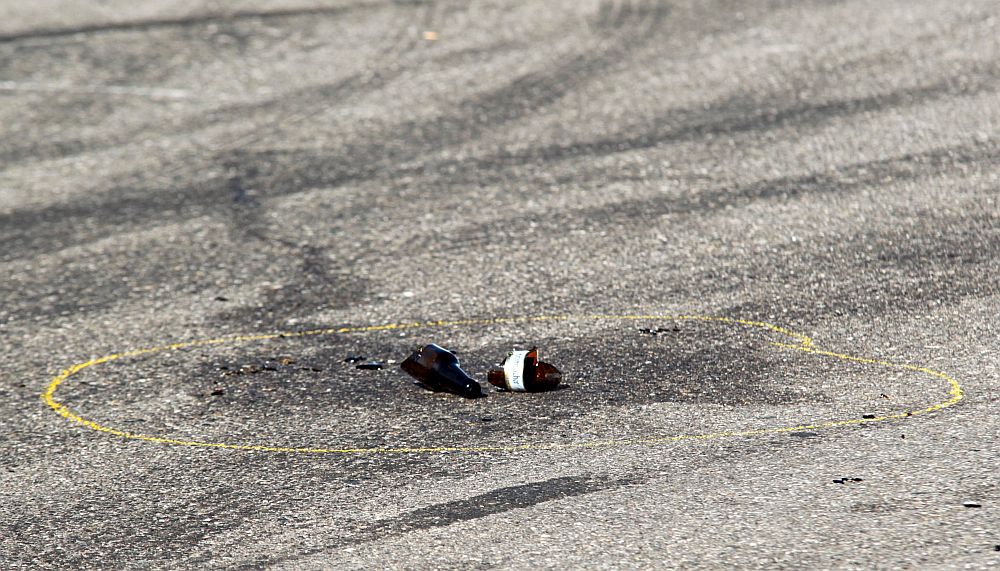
(803, 344)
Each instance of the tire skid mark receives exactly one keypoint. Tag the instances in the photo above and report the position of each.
(844, 179)
(244, 217)
(530, 93)
(390, 65)
(738, 115)
(147, 24)
(300, 104)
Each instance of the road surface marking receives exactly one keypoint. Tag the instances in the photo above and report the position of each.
(802, 343)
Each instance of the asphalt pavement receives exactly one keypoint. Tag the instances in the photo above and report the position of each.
(759, 238)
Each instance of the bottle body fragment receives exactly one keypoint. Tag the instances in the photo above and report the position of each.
(523, 372)
(437, 369)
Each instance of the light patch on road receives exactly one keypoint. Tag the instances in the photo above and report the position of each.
(130, 90)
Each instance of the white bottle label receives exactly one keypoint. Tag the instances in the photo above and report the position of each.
(513, 370)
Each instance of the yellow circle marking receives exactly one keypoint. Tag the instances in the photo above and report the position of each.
(802, 343)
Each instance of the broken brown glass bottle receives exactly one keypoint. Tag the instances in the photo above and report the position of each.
(523, 372)
(437, 369)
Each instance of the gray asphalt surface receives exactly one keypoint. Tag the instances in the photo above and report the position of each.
(196, 170)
